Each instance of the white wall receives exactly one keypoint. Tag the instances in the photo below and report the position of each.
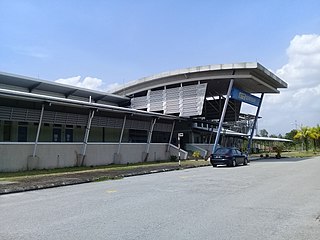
(14, 156)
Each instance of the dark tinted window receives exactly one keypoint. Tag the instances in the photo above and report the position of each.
(22, 134)
(222, 151)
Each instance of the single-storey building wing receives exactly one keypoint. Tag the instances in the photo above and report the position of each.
(45, 124)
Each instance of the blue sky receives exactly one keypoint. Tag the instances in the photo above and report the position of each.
(112, 42)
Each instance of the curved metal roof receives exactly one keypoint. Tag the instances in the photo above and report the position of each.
(250, 77)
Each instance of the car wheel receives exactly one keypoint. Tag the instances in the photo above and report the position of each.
(214, 165)
(245, 162)
(233, 163)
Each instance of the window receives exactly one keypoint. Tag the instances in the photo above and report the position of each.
(56, 136)
(22, 134)
(69, 135)
(7, 131)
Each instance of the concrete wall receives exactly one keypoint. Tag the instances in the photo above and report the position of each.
(16, 156)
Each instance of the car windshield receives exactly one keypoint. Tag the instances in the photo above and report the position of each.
(222, 151)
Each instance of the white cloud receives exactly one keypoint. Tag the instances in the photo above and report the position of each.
(300, 102)
(302, 69)
(89, 82)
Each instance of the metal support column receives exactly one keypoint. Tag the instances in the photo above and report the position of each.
(222, 115)
(254, 123)
(86, 136)
(121, 135)
(38, 132)
(171, 134)
(153, 122)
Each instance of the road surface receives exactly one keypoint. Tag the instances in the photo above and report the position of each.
(269, 199)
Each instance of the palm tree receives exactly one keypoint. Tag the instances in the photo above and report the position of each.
(315, 135)
(304, 135)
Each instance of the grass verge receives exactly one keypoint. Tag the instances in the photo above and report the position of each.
(11, 176)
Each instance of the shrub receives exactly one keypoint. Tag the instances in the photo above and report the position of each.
(278, 149)
(196, 155)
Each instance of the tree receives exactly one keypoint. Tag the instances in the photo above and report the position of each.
(315, 135)
(304, 134)
(264, 133)
(290, 135)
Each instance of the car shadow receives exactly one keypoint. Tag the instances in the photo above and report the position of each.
(280, 160)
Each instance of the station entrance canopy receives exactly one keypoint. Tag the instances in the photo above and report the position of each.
(200, 91)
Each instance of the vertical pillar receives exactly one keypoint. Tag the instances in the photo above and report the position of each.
(86, 136)
(171, 134)
(222, 115)
(121, 135)
(179, 147)
(38, 132)
(153, 122)
(254, 124)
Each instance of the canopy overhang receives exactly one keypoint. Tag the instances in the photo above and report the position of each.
(250, 77)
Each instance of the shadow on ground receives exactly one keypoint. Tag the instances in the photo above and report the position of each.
(282, 160)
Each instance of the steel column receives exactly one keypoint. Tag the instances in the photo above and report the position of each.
(171, 134)
(122, 130)
(222, 115)
(38, 132)
(86, 135)
(150, 134)
(254, 124)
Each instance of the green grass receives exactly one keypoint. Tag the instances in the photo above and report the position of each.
(300, 154)
(7, 176)
(292, 154)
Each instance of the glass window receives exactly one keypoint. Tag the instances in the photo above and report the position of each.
(69, 135)
(222, 151)
(7, 132)
(56, 136)
(22, 134)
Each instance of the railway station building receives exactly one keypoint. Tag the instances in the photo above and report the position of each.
(44, 124)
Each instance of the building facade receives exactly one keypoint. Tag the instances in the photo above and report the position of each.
(48, 125)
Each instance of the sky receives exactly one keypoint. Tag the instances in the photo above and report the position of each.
(101, 44)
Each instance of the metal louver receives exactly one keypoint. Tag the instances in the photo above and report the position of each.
(185, 101)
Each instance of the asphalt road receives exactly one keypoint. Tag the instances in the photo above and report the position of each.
(266, 200)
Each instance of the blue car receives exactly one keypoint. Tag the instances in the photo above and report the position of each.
(228, 156)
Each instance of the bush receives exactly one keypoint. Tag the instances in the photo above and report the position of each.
(196, 155)
(278, 149)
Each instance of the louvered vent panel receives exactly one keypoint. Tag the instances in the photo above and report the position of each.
(163, 127)
(5, 113)
(60, 118)
(18, 114)
(156, 100)
(139, 102)
(33, 115)
(82, 120)
(95, 121)
(172, 100)
(48, 117)
(114, 122)
(72, 119)
(192, 100)
(138, 125)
